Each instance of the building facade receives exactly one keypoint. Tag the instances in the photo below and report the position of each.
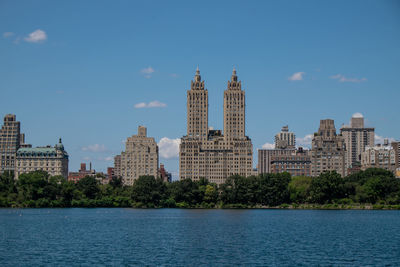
(117, 166)
(205, 153)
(53, 160)
(11, 140)
(357, 138)
(328, 150)
(297, 163)
(81, 173)
(265, 157)
(379, 156)
(139, 158)
(285, 139)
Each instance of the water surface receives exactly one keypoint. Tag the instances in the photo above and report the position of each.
(179, 237)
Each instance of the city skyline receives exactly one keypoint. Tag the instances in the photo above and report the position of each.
(94, 88)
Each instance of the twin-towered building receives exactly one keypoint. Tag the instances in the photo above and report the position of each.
(213, 154)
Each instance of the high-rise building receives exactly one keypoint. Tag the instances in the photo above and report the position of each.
(285, 139)
(10, 141)
(396, 147)
(328, 150)
(297, 163)
(117, 166)
(357, 138)
(209, 154)
(379, 156)
(140, 157)
(53, 160)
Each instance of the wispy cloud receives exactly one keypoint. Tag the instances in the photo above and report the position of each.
(152, 104)
(298, 76)
(268, 146)
(105, 158)
(94, 148)
(37, 36)
(341, 78)
(147, 72)
(8, 34)
(305, 141)
(174, 75)
(169, 148)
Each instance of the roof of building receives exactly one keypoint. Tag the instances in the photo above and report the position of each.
(39, 151)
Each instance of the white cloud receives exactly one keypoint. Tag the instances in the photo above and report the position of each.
(341, 78)
(174, 75)
(268, 146)
(357, 115)
(105, 158)
(147, 72)
(152, 104)
(305, 141)
(8, 34)
(298, 76)
(380, 139)
(87, 158)
(94, 148)
(37, 36)
(169, 148)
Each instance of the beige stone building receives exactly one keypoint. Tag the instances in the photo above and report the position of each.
(285, 139)
(380, 156)
(328, 150)
(53, 160)
(205, 153)
(140, 157)
(357, 138)
(11, 139)
(117, 166)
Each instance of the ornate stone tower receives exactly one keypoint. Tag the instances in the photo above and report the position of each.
(234, 109)
(197, 108)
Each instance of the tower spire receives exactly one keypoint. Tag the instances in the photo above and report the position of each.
(197, 77)
(234, 76)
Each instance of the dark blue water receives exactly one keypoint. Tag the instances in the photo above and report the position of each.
(178, 237)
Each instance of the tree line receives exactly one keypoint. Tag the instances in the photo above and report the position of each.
(38, 189)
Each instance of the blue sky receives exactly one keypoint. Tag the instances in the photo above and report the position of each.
(76, 69)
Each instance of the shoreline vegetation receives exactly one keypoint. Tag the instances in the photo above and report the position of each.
(372, 189)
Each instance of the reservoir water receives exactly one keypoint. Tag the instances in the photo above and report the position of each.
(179, 237)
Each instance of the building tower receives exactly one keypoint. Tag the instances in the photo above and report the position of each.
(328, 150)
(197, 108)
(140, 157)
(10, 140)
(357, 138)
(285, 139)
(234, 109)
(207, 153)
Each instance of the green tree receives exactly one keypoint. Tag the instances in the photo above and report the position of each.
(326, 188)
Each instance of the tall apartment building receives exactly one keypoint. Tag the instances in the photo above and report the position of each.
(380, 156)
(10, 141)
(285, 139)
(396, 147)
(117, 166)
(357, 138)
(140, 157)
(53, 160)
(297, 163)
(328, 150)
(209, 154)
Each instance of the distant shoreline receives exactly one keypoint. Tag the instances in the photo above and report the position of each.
(240, 207)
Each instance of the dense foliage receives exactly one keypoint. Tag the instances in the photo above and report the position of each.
(38, 189)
